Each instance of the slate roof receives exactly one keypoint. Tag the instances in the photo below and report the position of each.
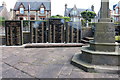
(114, 6)
(34, 4)
(69, 11)
(78, 9)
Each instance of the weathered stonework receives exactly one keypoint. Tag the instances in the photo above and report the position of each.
(103, 54)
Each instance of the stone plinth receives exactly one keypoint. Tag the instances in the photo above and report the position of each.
(94, 63)
(106, 47)
(104, 32)
(103, 54)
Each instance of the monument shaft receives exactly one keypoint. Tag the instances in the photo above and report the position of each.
(104, 11)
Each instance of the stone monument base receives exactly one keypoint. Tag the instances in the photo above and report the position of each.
(95, 61)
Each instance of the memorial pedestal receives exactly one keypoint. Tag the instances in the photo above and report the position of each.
(103, 53)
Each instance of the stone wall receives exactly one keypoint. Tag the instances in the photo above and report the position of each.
(87, 32)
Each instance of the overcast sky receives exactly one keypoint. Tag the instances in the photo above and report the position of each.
(58, 6)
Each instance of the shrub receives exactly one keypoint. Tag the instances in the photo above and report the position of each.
(117, 38)
(2, 21)
(67, 19)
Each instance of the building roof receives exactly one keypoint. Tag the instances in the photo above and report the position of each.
(34, 4)
(114, 6)
(33, 0)
(69, 11)
(78, 9)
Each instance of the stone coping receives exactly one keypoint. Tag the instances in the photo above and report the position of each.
(42, 45)
(86, 49)
(26, 31)
(111, 44)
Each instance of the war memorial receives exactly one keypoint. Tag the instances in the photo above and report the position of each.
(53, 48)
(102, 55)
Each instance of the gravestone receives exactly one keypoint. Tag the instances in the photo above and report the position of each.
(103, 53)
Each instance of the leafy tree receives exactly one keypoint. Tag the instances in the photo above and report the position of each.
(67, 19)
(2, 21)
(88, 15)
(2, 18)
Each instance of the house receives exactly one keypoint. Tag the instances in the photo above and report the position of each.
(115, 13)
(4, 12)
(32, 9)
(74, 13)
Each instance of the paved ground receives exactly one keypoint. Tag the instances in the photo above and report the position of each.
(43, 63)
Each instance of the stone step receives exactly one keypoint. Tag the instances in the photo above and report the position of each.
(76, 61)
(88, 38)
(84, 41)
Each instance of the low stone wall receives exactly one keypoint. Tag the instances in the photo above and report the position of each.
(87, 32)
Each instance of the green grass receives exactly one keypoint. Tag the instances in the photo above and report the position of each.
(117, 38)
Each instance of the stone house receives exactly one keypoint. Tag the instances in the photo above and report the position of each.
(115, 13)
(4, 12)
(32, 9)
(74, 13)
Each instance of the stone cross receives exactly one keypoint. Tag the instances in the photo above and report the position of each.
(104, 11)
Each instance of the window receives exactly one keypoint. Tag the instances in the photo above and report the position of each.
(116, 11)
(21, 10)
(21, 18)
(42, 10)
(32, 18)
(74, 12)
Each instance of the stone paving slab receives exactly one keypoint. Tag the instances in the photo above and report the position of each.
(43, 63)
(11, 72)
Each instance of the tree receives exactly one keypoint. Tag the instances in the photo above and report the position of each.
(67, 19)
(2, 21)
(88, 15)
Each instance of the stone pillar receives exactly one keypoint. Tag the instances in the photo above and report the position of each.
(104, 11)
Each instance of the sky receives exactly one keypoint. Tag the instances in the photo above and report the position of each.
(58, 6)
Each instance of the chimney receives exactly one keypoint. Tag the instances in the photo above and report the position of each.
(65, 6)
(4, 4)
(65, 13)
(92, 8)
